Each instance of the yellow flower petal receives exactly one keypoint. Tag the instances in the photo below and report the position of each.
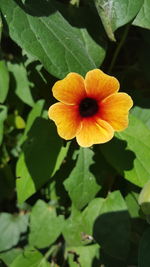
(94, 132)
(100, 85)
(70, 90)
(66, 118)
(114, 109)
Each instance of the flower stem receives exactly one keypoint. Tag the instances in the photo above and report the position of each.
(117, 51)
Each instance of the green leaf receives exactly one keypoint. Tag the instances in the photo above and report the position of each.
(144, 199)
(9, 256)
(19, 122)
(132, 204)
(129, 153)
(22, 88)
(144, 248)
(116, 13)
(34, 113)
(143, 18)
(11, 228)
(52, 225)
(90, 214)
(4, 80)
(112, 228)
(74, 229)
(81, 183)
(105, 220)
(46, 35)
(30, 257)
(142, 114)
(3, 115)
(39, 159)
(79, 225)
(62, 154)
(84, 254)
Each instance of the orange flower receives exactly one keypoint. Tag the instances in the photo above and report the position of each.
(90, 109)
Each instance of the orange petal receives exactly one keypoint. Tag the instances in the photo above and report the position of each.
(94, 132)
(66, 119)
(114, 109)
(100, 85)
(70, 90)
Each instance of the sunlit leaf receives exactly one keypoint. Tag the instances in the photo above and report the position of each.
(84, 255)
(47, 36)
(22, 88)
(4, 80)
(116, 13)
(9, 256)
(52, 225)
(143, 18)
(132, 152)
(143, 114)
(81, 183)
(3, 115)
(32, 258)
(11, 228)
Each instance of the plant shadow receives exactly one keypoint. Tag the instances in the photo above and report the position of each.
(111, 160)
(112, 232)
(41, 149)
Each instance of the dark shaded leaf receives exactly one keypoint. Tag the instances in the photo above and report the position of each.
(144, 256)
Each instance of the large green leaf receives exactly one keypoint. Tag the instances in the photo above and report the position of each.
(30, 257)
(116, 13)
(129, 153)
(42, 142)
(143, 17)
(52, 225)
(4, 80)
(39, 159)
(81, 183)
(144, 248)
(46, 35)
(11, 228)
(3, 115)
(22, 88)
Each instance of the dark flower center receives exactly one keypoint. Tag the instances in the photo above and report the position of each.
(88, 107)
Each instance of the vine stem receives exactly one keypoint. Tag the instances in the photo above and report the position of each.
(117, 51)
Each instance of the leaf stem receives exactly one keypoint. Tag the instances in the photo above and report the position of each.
(117, 51)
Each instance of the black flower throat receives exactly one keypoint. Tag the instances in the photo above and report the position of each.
(88, 107)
